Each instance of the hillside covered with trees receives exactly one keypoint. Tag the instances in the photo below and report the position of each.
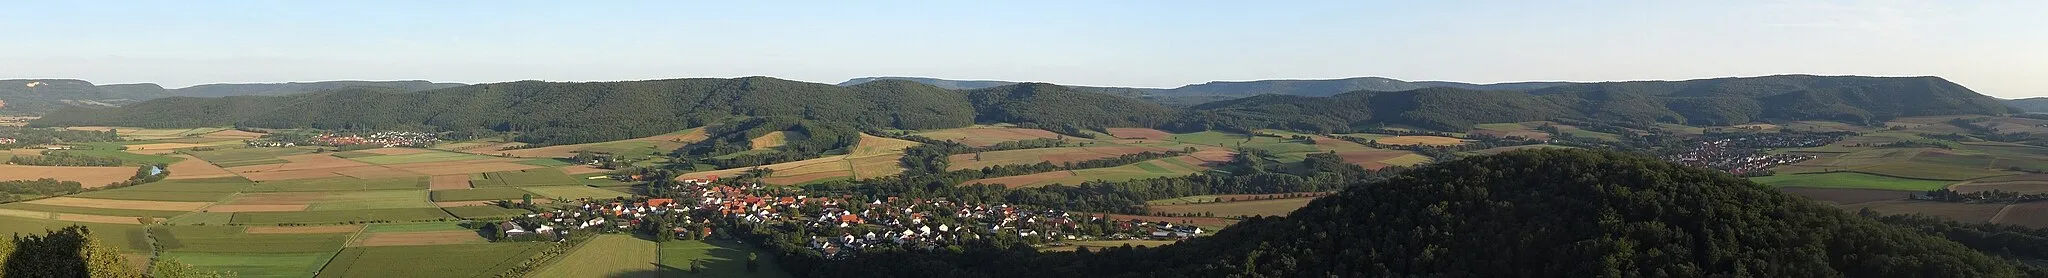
(1543, 213)
(1722, 101)
(39, 96)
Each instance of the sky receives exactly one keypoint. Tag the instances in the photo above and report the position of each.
(1998, 48)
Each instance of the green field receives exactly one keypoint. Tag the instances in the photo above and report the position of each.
(575, 192)
(480, 260)
(340, 184)
(372, 199)
(340, 216)
(145, 195)
(247, 156)
(548, 162)
(92, 211)
(127, 237)
(607, 256)
(257, 264)
(232, 239)
(719, 259)
(485, 212)
(437, 156)
(203, 218)
(529, 177)
(480, 194)
(355, 154)
(412, 227)
(1849, 180)
(127, 158)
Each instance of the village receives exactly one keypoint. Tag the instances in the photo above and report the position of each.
(1748, 155)
(836, 226)
(385, 139)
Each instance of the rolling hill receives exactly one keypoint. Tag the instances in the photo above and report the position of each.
(1720, 101)
(52, 94)
(2033, 105)
(569, 113)
(1233, 89)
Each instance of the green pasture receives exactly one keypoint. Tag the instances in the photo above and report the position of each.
(429, 260)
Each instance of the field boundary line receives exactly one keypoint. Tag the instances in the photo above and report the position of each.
(2002, 212)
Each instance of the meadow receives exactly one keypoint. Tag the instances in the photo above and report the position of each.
(574, 192)
(607, 256)
(341, 216)
(479, 194)
(256, 264)
(428, 261)
(718, 258)
(1849, 180)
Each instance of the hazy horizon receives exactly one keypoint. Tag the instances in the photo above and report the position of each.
(1991, 47)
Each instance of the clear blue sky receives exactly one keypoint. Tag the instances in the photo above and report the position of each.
(1996, 47)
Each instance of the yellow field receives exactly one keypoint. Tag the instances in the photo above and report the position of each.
(871, 157)
(983, 136)
(770, 140)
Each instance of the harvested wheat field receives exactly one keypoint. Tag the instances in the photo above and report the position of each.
(87, 218)
(89, 177)
(164, 146)
(337, 229)
(301, 162)
(420, 238)
(1139, 133)
(1421, 140)
(374, 172)
(770, 140)
(256, 208)
(448, 182)
(461, 167)
(121, 204)
(1372, 159)
(289, 175)
(583, 169)
(233, 134)
(395, 151)
(1213, 155)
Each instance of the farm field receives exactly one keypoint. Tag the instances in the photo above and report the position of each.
(1055, 156)
(573, 192)
(340, 184)
(90, 177)
(718, 258)
(630, 148)
(1420, 140)
(421, 157)
(231, 239)
(338, 200)
(479, 259)
(340, 216)
(1139, 133)
(871, 157)
(235, 157)
(1960, 212)
(607, 256)
(1278, 207)
(1849, 180)
(418, 238)
(127, 158)
(192, 168)
(1843, 196)
(478, 194)
(983, 136)
(529, 177)
(257, 264)
(1165, 167)
(129, 238)
(128, 213)
(484, 211)
(1521, 129)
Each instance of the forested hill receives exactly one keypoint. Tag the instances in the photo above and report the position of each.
(1562, 213)
(2034, 105)
(1532, 213)
(562, 113)
(1232, 89)
(272, 89)
(52, 94)
(1720, 101)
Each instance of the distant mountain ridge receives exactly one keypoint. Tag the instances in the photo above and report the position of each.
(52, 94)
(1297, 87)
(2031, 105)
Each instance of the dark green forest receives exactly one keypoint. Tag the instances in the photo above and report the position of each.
(548, 113)
(1532, 213)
